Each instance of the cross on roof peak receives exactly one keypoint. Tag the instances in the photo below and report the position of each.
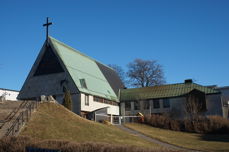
(47, 24)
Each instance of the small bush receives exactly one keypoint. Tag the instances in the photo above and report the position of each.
(18, 144)
(67, 100)
(209, 125)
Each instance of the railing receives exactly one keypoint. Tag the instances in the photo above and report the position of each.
(22, 118)
(13, 113)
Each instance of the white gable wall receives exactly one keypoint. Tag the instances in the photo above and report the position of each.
(9, 94)
(114, 110)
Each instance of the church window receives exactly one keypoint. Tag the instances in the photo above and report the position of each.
(86, 100)
(49, 64)
(98, 99)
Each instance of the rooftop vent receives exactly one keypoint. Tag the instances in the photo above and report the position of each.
(188, 81)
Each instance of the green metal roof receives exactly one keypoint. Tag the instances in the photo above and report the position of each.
(81, 67)
(163, 91)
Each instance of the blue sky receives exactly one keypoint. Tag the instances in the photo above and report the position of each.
(189, 38)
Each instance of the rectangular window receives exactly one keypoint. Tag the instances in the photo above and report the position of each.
(146, 104)
(107, 101)
(114, 103)
(156, 103)
(128, 106)
(98, 99)
(86, 100)
(136, 105)
(166, 103)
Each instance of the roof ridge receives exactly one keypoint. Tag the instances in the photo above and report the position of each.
(154, 86)
(171, 85)
(77, 51)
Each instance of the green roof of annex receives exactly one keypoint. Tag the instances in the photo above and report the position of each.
(163, 91)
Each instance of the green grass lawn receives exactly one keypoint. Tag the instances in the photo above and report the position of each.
(53, 121)
(216, 143)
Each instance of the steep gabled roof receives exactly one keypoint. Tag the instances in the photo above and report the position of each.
(84, 71)
(112, 77)
(163, 91)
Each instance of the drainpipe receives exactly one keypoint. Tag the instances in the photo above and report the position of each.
(111, 119)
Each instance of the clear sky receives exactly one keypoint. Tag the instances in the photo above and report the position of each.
(189, 38)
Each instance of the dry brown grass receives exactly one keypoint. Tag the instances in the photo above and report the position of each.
(18, 144)
(209, 142)
(53, 121)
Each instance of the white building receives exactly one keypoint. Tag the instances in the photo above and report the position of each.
(7, 94)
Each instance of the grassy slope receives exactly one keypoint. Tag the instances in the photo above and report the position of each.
(218, 143)
(53, 121)
(7, 107)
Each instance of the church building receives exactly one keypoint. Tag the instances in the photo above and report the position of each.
(59, 67)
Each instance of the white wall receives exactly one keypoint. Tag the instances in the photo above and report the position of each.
(9, 94)
(114, 110)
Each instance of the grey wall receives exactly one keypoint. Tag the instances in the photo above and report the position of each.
(45, 85)
(214, 105)
(225, 95)
(76, 103)
(177, 107)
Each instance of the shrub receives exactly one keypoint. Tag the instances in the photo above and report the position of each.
(161, 121)
(67, 100)
(209, 125)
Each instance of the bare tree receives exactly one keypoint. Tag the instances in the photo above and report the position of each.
(195, 104)
(144, 73)
(119, 70)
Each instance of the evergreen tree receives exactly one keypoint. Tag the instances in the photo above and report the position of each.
(67, 100)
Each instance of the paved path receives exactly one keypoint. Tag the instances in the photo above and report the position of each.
(163, 144)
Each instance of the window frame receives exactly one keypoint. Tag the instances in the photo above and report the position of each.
(168, 103)
(86, 100)
(156, 106)
(129, 108)
(138, 105)
(146, 104)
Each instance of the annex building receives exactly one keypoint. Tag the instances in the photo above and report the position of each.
(170, 99)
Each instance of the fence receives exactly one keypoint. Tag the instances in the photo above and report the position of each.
(117, 120)
(22, 118)
(13, 113)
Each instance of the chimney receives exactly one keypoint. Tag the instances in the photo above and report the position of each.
(188, 81)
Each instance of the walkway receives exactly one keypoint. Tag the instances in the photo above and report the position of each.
(163, 144)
